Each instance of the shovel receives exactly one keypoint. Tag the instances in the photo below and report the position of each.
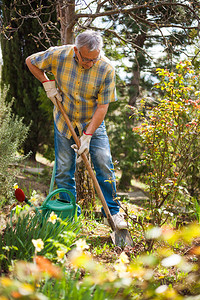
(120, 237)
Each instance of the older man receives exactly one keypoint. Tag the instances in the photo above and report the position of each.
(86, 82)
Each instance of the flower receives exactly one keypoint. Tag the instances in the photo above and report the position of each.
(15, 186)
(26, 289)
(47, 267)
(34, 198)
(81, 245)
(60, 255)
(153, 233)
(120, 268)
(52, 218)
(161, 289)
(6, 282)
(38, 244)
(123, 258)
(171, 261)
(80, 259)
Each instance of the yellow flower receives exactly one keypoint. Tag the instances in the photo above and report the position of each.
(80, 259)
(33, 199)
(81, 245)
(5, 281)
(52, 218)
(60, 255)
(15, 186)
(38, 244)
(26, 289)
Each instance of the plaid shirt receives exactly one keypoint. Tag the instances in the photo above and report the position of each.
(82, 89)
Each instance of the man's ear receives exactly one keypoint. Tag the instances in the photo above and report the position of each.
(75, 49)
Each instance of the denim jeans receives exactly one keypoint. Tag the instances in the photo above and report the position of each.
(101, 159)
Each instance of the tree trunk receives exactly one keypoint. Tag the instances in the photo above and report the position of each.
(85, 188)
(125, 180)
(66, 16)
(84, 184)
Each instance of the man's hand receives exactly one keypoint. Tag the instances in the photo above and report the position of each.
(84, 147)
(51, 90)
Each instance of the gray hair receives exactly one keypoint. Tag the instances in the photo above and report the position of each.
(89, 38)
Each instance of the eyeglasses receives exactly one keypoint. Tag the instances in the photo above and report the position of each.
(87, 60)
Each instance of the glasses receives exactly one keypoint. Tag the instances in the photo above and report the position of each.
(87, 60)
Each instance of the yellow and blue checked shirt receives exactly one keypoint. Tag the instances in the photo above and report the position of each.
(82, 89)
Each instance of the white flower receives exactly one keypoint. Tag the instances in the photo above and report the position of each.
(34, 198)
(38, 244)
(153, 233)
(120, 268)
(171, 261)
(123, 258)
(52, 218)
(81, 245)
(161, 289)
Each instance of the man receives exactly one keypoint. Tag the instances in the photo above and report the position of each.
(86, 85)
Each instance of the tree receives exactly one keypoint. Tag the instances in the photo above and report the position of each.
(22, 86)
(138, 31)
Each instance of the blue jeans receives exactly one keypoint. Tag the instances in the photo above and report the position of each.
(65, 159)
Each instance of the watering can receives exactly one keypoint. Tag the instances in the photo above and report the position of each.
(62, 208)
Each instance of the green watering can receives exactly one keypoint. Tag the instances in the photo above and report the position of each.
(62, 208)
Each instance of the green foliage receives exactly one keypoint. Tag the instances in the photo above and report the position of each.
(16, 240)
(13, 133)
(161, 275)
(70, 288)
(170, 134)
(126, 149)
(15, 74)
(46, 147)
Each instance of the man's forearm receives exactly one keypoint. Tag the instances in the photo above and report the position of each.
(97, 118)
(39, 74)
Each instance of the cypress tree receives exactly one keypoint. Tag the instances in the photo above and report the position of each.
(15, 74)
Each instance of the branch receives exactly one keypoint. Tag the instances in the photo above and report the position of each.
(137, 7)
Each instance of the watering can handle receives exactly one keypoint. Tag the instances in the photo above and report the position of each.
(88, 167)
(57, 191)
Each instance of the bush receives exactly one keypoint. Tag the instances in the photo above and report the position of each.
(170, 135)
(12, 134)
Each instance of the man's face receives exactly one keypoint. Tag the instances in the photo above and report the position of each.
(86, 58)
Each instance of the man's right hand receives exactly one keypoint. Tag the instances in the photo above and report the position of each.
(51, 90)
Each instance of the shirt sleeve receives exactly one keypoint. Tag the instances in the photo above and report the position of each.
(43, 60)
(107, 92)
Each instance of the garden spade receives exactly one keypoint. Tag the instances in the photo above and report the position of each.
(120, 237)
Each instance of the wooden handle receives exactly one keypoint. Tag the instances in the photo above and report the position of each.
(88, 167)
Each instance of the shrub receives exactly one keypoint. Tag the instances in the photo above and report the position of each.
(12, 134)
(170, 135)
